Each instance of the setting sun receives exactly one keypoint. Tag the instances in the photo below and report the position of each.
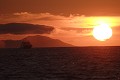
(102, 32)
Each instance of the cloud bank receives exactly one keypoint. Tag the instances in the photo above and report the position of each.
(74, 29)
(24, 28)
(58, 21)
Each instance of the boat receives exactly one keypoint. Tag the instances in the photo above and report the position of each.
(25, 45)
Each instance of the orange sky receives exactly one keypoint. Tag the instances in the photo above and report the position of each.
(73, 20)
(66, 7)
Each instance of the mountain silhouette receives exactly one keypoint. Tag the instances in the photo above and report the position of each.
(43, 41)
(36, 42)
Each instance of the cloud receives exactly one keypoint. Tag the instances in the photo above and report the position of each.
(43, 18)
(24, 28)
(58, 21)
(75, 29)
(65, 26)
(78, 30)
(76, 24)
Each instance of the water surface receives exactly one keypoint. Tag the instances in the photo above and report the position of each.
(76, 63)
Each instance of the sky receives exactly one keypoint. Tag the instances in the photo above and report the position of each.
(72, 20)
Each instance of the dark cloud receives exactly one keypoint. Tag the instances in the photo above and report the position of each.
(79, 30)
(49, 18)
(42, 19)
(24, 28)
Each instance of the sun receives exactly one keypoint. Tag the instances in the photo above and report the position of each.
(102, 32)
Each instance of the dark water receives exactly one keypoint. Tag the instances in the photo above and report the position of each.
(85, 63)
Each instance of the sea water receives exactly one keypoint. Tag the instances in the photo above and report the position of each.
(66, 63)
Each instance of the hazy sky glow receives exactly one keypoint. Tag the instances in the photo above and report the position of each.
(66, 7)
(73, 20)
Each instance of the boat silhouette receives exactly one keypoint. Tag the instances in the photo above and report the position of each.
(25, 44)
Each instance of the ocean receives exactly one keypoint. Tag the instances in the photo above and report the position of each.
(65, 63)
